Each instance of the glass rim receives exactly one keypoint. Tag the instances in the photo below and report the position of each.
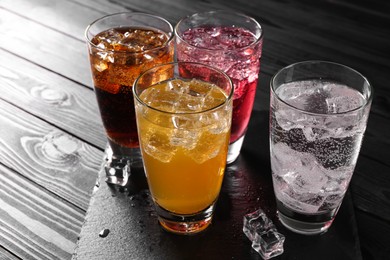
(238, 14)
(227, 99)
(367, 101)
(166, 43)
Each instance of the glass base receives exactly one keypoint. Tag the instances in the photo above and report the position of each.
(306, 224)
(185, 224)
(234, 150)
(304, 228)
(185, 228)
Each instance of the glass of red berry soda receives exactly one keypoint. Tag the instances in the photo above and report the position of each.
(231, 42)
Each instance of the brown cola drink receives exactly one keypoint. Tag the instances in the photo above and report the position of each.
(118, 56)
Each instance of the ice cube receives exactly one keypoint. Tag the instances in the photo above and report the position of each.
(190, 95)
(288, 119)
(254, 222)
(347, 125)
(238, 71)
(150, 96)
(213, 98)
(309, 202)
(186, 121)
(101, 66)
(310, 178)
(189, 103)
(185, 138)
(284, 160)
(221, 122)
(103, 46)
(342, 98)
(199, 88)
(157, 145)
(266, 240)
(340, 174)
(341, 104)
(269, 244)
(177, 86)
(208, 146)
(117, 171)
(166, 101)
(301, 202)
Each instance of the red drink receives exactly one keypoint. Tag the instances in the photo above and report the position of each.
(237, 52)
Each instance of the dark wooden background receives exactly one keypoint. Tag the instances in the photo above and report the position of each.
(51, 138)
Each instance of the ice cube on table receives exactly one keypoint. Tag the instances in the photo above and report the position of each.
(266, 240)
(269, 244)
(254, 222)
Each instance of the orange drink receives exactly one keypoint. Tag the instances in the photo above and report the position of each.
(184, 129)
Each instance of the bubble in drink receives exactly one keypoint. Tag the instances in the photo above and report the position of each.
(128, 39)
(313, 153)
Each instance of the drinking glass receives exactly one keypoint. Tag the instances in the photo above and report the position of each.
(121, 46)
(231, 42)
(184, 113)
(318, 117)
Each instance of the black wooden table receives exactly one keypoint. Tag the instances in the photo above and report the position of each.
(52, 142)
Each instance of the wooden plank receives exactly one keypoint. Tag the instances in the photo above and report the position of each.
(5, 255)
(103, 6)
(171, 10)
(48, 156)
(64, 16)
(374, 234)
(370, 187)
(48, 48)
(35, 223)
(55, 99)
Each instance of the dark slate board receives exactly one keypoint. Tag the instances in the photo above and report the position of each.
(135, 233)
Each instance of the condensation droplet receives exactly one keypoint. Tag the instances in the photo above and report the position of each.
(104, 232)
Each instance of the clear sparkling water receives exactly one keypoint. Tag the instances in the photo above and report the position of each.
(313, 154)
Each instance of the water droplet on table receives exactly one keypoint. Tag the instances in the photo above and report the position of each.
(104, 232)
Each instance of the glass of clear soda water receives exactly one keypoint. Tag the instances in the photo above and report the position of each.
(231, 42)
(318, 116)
